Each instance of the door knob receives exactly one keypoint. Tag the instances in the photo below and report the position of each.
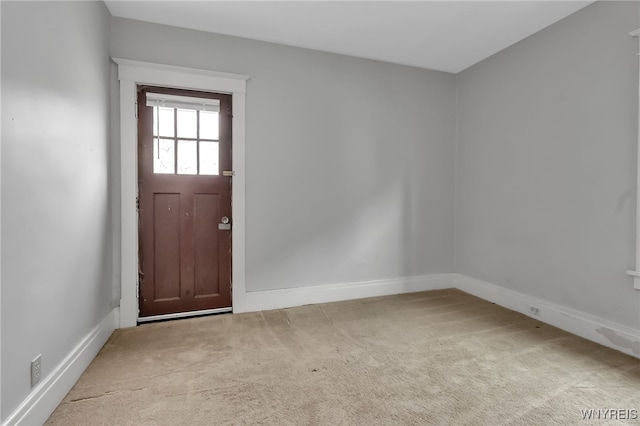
(224, 224)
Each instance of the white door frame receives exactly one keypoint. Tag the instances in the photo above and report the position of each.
(131, 74)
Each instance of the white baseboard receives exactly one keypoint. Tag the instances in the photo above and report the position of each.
(45, 397)
(596, 329)
(285, 298)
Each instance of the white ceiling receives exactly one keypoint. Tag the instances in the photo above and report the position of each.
(441, 35)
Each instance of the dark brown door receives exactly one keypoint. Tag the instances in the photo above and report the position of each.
(184, 146)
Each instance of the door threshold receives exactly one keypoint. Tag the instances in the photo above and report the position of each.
(184, 314)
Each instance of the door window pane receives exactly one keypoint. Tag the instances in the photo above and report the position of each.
(164, 123)
(208, 125)
(187, 123)
(187, 157)
(185, 140)
(163, 156)
(209, 158)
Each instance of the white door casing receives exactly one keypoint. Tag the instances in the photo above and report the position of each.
(131, 74)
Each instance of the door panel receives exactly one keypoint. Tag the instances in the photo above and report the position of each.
(207, 281)
(185, 258)
(166, 246)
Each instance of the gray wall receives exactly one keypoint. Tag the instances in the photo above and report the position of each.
(546, 164)
(349, 161)
(56, 247)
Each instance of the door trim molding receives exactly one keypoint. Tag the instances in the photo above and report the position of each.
(130, 74)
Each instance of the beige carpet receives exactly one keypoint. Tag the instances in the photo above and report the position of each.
(439, 357)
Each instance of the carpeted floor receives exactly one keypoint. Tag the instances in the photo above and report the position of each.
(438, 357)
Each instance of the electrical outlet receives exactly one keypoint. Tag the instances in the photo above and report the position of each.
(36, 370)
(534, 310)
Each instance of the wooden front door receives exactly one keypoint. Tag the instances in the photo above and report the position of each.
(184, 148)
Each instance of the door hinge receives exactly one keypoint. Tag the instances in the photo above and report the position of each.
(135, 110)
(138, 203)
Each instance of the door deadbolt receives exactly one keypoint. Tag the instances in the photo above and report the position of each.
(224, 220)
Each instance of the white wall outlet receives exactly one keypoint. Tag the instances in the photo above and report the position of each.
(36, 370)
(534, 310)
